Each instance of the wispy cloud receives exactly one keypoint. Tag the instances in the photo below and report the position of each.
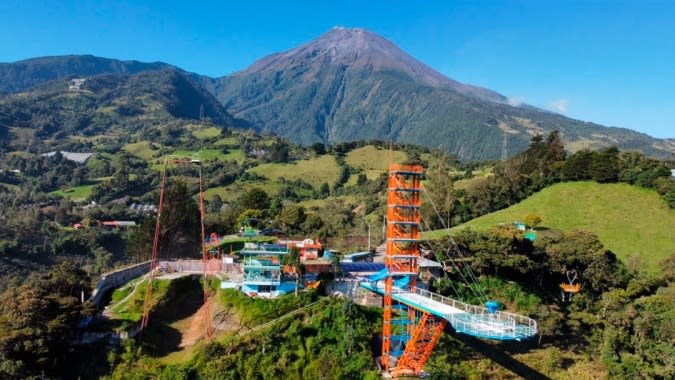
(515, 101)
(559, 106)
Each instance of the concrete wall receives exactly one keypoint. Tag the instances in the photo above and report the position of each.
(120, 277)
(195, 266)
(112, 280)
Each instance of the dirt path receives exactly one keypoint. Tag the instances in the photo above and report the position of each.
(196, 329)
(226, 321)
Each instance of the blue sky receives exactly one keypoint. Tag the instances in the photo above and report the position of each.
(610, 62)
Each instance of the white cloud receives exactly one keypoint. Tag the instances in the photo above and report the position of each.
(559, 106)
(515, 101)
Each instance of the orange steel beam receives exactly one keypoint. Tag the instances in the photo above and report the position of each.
(402, 256)
(408, 360)
(419, 347)
(147, 305)
(386, 325)
(205, 262)
(403, 200)
(439, 326)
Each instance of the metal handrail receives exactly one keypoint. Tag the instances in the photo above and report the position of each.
(478, 320)
(507, 321)
(274, 279)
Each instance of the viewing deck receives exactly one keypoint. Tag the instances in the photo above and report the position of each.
(464, 318)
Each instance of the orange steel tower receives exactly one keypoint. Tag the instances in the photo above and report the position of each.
(415, 328)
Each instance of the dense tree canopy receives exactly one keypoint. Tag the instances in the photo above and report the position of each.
(39, 319)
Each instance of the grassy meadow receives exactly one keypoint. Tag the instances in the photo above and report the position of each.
(314, 171)
(626, 218)
(374, 161)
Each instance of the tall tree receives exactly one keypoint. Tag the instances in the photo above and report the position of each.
(605, 165)
(577, 166)
(255, 199)
(293, 259)
(292, 217)
(180, 225)
(139, 246)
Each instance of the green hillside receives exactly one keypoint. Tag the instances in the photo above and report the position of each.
(313, 171)
(626, 218)
(374, 161)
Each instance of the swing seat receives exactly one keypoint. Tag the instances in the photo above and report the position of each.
(570, 288)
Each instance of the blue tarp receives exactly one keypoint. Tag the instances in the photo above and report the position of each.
(362, 267)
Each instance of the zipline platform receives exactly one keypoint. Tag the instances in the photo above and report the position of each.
(465, 318)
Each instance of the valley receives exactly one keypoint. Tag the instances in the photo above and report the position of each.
(280, 222)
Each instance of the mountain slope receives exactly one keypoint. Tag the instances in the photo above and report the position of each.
(351, 84)
(22, 75)
(148, 103)
(360, 48)
(627, 219)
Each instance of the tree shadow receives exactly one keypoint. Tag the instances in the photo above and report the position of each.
(184, 298)
(501, 354)
(160, 339)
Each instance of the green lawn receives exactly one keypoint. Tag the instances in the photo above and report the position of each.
(232, 192)
(205, 133)
(76, 193)
(318, 204)
(226, 193)
(234, 155)
(374, 161)
(204, 154)
(353, 178)
(141, 149)
(626, 218)
(82, 192)
(21, 154)
(315, 171)
(232, 140)
(132, 309)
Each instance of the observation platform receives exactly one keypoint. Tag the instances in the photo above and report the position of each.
(465, 318)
